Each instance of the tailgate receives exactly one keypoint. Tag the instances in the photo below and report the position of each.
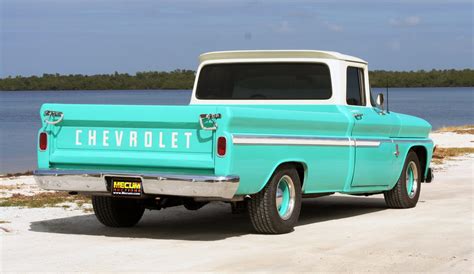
(129, 137)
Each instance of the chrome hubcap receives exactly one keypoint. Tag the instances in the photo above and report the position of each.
(412, 178)
(285, 197)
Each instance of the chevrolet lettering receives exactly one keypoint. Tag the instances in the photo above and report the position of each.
(148, 138)
(264, 129)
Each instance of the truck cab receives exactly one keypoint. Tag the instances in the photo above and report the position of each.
(263, 130)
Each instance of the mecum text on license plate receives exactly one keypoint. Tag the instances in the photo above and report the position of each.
(126, 187)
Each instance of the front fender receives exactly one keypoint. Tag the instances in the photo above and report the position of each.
(405, 148)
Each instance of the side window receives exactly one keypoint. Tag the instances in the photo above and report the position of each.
(355, 87)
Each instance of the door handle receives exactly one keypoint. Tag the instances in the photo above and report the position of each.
(358, 116)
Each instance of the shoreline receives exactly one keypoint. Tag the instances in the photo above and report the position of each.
(190, 89)
(184, 78)
(150, 89)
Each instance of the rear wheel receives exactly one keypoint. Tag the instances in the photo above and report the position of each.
(117, 212)
(276, 208)
(406, 192)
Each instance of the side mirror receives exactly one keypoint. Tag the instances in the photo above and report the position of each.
(380, 101)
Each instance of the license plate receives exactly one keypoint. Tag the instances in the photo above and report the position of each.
(126, 187)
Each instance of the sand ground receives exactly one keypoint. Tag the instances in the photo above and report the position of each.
(335, 233)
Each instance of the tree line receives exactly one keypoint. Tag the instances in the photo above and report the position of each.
(177, 79)
(422, 78)
(184, 79)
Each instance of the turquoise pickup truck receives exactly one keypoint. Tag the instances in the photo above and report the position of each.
(264, 130)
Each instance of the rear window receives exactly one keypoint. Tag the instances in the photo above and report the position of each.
(260, 81)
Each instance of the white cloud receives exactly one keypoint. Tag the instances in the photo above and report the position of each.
(409, 21)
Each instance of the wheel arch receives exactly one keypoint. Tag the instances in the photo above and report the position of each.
(422, 154)
(300, 166)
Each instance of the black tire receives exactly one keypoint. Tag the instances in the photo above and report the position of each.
(398, 196)
(262, 207)
(117, 212)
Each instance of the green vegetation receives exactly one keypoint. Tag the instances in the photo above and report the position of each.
(44, 199)
(177, 79)
(441, 154)
(183, 79)
(16, 174)
(466, 129)
(421, 78)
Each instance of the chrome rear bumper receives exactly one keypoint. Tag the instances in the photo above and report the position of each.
(157, 184)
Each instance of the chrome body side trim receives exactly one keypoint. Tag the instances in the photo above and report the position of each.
(160, 184)
(248, 139)
(241, 139)
(412, 140)
(367, 143)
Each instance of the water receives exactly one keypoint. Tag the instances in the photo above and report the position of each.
(439, 106)
(19, 112)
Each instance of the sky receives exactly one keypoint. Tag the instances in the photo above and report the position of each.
(104, 36)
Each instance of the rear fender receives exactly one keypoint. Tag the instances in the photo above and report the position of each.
(288, 161)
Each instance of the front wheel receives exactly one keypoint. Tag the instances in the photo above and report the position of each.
(406, 192)
(276, 208)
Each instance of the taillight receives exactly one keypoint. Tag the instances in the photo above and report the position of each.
(221, 146)
(43, 141)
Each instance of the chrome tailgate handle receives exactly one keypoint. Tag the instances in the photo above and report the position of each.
(212, 117)
(358, 115)
(49, 114)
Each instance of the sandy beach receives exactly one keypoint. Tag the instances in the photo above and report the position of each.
(335, 233)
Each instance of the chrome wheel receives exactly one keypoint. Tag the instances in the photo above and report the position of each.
(412, 179)
(285, 197)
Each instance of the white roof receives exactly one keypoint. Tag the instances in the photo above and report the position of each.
(278, 54)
